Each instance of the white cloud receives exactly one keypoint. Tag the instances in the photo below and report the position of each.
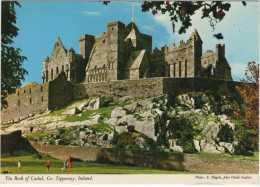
(238, 70)
(147, 27)
(92, 13)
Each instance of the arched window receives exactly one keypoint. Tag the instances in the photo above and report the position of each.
(212, 70)
(57, 70)
(46, 75)
(18, 92)
(42, 98)
(174, 70)
(41, 89)
(179, 69)
(30, 100)
(62, 68)
(30, 90)
(186, 64)
(51, 74)
(18, 103)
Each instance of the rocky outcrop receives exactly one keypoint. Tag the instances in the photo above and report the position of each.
(194, 122)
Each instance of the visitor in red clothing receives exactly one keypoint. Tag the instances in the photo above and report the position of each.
(69, 165)
(48, 164)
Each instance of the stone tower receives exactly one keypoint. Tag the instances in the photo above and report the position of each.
(197, 47)
(115, 50)
(184, 60)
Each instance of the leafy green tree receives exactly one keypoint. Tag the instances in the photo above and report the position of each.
(12, 71)
(181, 11)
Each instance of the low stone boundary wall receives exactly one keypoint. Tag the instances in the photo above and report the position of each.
(121, 89)
(150, 87)
(167, 161)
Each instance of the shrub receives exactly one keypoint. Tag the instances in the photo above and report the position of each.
(37, 156)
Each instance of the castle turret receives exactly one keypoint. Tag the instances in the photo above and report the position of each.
(197, 46)
(220, 50)
(115, 49)
(45, 70)
(86, 43)
(71, 53)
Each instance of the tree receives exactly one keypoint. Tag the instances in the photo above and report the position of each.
(249, 91)
(12, 71)
(248, 132)
(181, 11)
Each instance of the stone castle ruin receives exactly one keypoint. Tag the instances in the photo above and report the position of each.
(118, 63)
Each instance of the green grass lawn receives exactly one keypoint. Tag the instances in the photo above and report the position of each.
(37, 166)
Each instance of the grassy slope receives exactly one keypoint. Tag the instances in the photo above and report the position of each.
(37, 166)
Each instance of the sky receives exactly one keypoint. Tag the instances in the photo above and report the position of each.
(40, 24)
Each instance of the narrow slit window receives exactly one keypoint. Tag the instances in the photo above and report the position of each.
(186, 68)
(179, 69)
(46, 75)
(174, 70)
(51, 74)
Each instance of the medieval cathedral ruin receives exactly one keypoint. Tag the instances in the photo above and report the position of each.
(123, 52)
(118, 63)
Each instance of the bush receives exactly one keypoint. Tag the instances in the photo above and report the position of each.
(248, 139)
(37, 156)
(124, 140)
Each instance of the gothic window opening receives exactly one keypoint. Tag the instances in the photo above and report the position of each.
(62, 68)
(41, 89)
(51, 74)
(57, 70)
(104, 41)
(18, 103)
(212, 71)
(30, 100)
(179, 69)
(174, 70)
(30, 90)
(18, 92)
(42, 98)
(46, 75)
(24, 91)
(186, 68)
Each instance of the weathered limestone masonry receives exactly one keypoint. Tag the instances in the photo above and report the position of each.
(119, 53)
(159, 160)
(62, 60)
(117, 64)
(120, 90)
(34, 98)
(143, 88)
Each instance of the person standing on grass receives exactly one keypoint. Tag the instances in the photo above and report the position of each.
(69, 165)
(19, 166)
(69, 159)
(64, 166)
(48, 164)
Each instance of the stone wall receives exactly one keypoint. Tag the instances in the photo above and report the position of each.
(159, 160)
(60, 92)
(32, 98)
(123, 89)
(219, 87)
(142, 88)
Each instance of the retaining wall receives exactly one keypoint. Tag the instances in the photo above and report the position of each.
(167, 161)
